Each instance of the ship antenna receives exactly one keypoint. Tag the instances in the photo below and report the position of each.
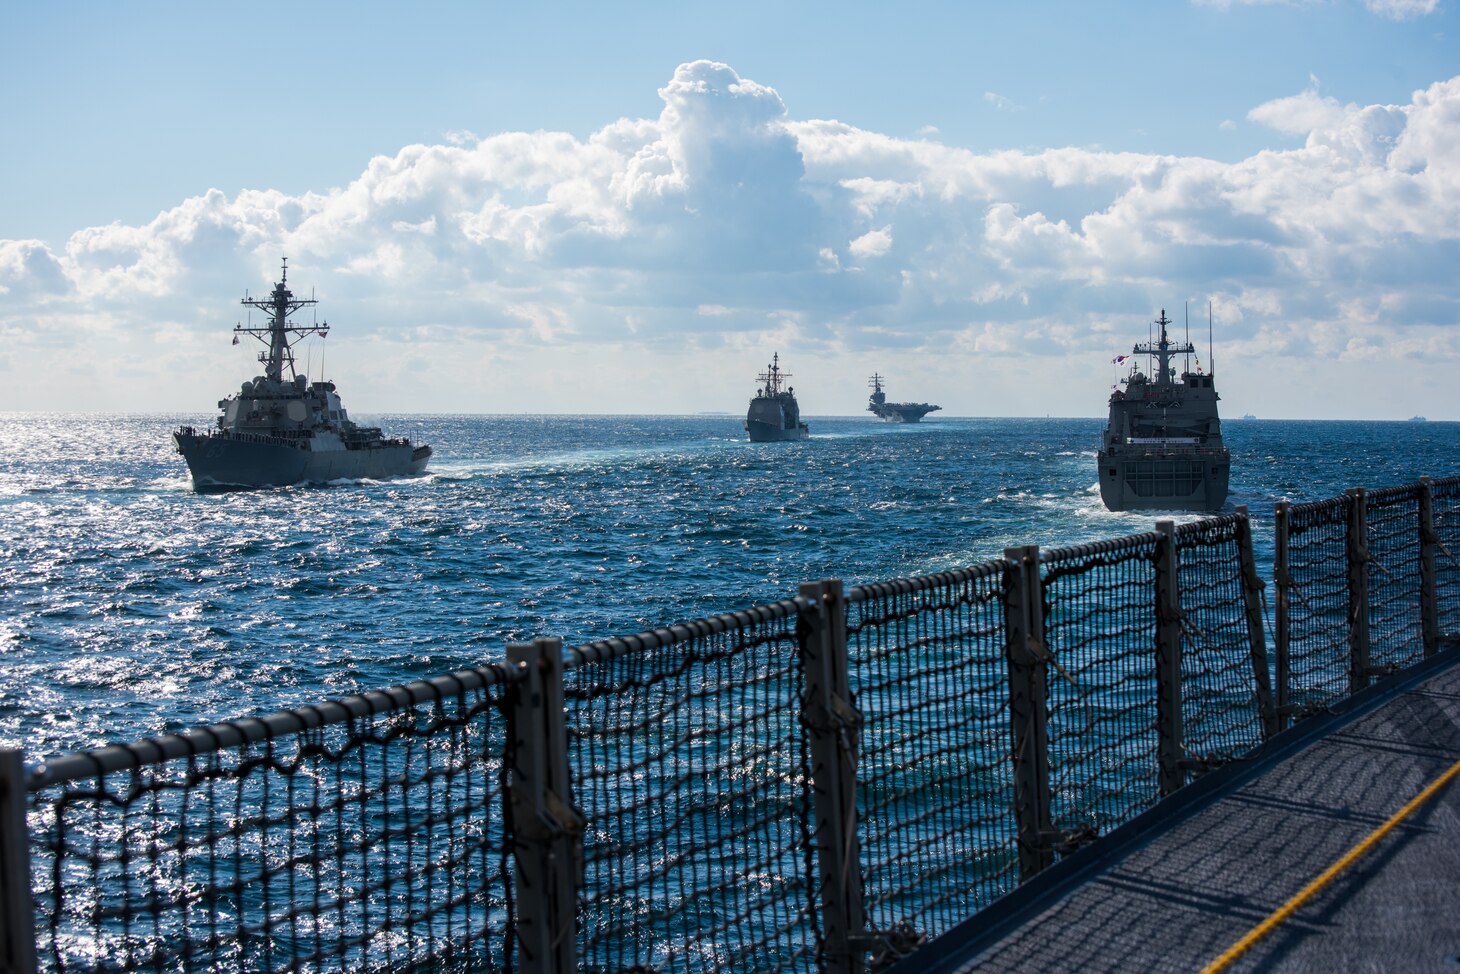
(1211, 356)
(1188, 335)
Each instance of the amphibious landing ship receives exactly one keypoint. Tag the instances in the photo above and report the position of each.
(1162, 448)
(282, 430)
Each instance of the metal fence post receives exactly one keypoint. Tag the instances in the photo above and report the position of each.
(1429, 597)
(1026, 654)
(831, 718)
(546, 830)
(1170, 775)
(17, 911)
(1252, 588)
(1283, 597)
(1358, 589)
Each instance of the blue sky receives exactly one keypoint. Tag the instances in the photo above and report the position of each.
(974, 199)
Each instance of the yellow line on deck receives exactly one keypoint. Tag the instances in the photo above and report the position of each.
(1291, 906)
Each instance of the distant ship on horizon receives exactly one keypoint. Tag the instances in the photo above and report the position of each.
(282, 430)
(1162, 448)
(894, 412)
(774, 415)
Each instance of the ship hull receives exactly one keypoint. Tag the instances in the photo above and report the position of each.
(1155, 481)
(772, 433)
(219, 463)
(902, 414)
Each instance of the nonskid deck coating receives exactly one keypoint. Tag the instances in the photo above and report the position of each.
(1182, 895)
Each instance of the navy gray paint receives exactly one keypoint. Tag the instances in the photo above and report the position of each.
(278, 431)
(774, 414)
(894, 412)
(1162, 448)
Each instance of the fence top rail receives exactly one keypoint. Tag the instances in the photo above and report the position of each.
(1446, 486)
(921, 583)
(1332, 504)
(1208, 524)
(608, 649)
(1128, 545)
(217, 737)
(1393, 495)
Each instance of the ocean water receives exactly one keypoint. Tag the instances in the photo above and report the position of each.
(131, 606)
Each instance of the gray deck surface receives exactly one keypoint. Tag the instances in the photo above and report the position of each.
(1187, 891)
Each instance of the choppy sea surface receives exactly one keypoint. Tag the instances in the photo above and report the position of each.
(131, 606)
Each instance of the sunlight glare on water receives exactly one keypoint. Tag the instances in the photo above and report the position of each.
(133, 606)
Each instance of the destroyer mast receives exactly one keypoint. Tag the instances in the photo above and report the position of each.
(276, 334)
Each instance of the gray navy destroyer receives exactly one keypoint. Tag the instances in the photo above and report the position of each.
(774, 414)
(282, 430)
(1162, 448)
(894, 412)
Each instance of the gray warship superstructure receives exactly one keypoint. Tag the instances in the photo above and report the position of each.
(774, 414)
(894, 412)
(1162, 448)
(282, 430)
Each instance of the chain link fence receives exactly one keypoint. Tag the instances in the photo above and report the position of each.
(690, 767)
(1226, 704)
(819, 784)
(1446, 539)
(928, 670)
(1100, 632)
(364, 834)
(1313, 586)
(1393, 549)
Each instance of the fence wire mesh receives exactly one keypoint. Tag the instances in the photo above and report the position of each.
(690, 766)
(1446, 516)
(362, 835)
(1317, 648)
(1220, 710)
(1396, 630)
(368, 833)
(1100, 628)
(927, 666)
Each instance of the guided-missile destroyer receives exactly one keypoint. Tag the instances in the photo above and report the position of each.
(282, 430)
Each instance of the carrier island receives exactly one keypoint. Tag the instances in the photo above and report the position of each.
(1162, 448)
(280, 430)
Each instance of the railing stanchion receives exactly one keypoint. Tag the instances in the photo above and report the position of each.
(17, 912)
(1282, 583)
(1252, 586)
(830, 716)
(1026, 654)
(1170, 775)
(547, 831)
(1429, 594)
(1358, 589)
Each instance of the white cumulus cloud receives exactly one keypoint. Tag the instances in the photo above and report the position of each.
(537, 268)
